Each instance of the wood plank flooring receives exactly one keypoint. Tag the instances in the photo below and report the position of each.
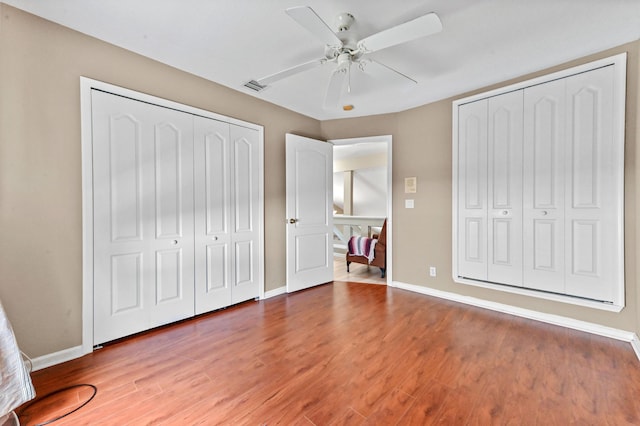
(357, 272)
(350, 354)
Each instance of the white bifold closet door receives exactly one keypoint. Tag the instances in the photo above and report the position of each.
(544, 186)
(176, 215)
(226, 214)
(490, 189)
(593, 189)
(571, 189)
(143, 216)
(539, 188)
(504, 188)
(472, 190)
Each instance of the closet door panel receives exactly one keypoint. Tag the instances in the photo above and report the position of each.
(170, 210)
(169, 280)
(126, 283)
(244, 267)
(215, 150)
(217, 259)
(243, 182)
(123, 283)
(543, 189)
(173, 214)
(545, 256)
(121, 179)
(505, 188)
(245, 199)
(169, 186)
(472, 190)
(591, 213)
(213, 243)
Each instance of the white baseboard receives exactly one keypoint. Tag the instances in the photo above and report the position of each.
(601, 330)
(275, 292)
(56, 358)
(635, 344)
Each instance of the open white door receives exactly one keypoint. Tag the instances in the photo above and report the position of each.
(309, 212)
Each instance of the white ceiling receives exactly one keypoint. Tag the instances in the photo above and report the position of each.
(233, 41)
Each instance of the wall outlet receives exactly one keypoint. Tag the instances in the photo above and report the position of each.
(432, 271)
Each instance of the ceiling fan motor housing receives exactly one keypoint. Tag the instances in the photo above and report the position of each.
(344, 21)
(347, 36)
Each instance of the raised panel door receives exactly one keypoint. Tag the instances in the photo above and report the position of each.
(592, 202)
(544, 186)
(504, 188)
(309, 181)
(173, 262)
(213, 219)
(472, 242)
(245, 200)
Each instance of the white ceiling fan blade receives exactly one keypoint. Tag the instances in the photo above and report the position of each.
(265, 81)
(334, 90)
(309, 19)
(380, 70)
(417, 28)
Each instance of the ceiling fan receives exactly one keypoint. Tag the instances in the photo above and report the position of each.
(345, 50)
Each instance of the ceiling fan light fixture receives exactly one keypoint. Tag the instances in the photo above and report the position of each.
(344, 60)
(348, 107)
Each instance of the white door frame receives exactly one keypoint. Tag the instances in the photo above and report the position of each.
(86, 86)
(388, 139)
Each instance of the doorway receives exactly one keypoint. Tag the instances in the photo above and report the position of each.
(361, 202)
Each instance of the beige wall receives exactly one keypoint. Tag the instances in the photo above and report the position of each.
(40, 165)
(40, 176)
(422, 236)
(357, 163)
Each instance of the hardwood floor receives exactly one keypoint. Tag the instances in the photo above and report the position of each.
(357, 272)
(350, 354)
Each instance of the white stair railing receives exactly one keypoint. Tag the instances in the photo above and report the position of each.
(344, 227)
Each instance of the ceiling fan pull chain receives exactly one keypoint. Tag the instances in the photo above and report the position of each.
(349, 78)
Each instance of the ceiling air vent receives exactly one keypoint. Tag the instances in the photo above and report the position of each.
(254, 85)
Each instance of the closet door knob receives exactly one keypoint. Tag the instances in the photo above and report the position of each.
(174, 242)
(293, 220)
(215, 238)
(544, 212)
(505, 212)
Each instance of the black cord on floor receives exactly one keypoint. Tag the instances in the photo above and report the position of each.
(50, 394)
